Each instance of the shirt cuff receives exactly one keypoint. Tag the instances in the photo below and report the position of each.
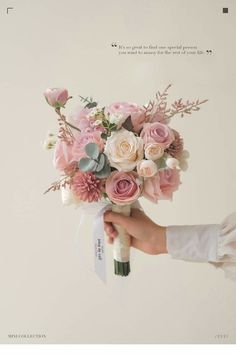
(193, 242)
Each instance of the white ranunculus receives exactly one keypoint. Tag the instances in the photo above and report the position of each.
(146, 168)
(124, 150)
(171, 162)
(154, 151)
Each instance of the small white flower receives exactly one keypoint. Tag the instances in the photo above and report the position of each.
(116, 118)
(97, 122)
(50, 141)
(171, 162)
(93, 112)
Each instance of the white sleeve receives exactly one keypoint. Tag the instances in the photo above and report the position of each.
(213, 243)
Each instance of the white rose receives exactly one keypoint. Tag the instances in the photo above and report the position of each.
(146, 168)
(153, 151)
(171, 162)
(124, 150)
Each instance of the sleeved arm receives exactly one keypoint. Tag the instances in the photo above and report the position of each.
(213, 243)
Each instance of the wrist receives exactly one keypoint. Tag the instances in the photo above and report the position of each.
(160, 239)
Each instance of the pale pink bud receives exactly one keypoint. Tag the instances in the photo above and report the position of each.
(56, 97)
(146, 168)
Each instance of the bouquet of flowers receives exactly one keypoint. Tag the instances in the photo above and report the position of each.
(118, 153)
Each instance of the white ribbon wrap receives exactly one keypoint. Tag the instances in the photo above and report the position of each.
(121, 248)
(121, 244)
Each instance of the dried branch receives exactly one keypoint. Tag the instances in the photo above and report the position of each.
(157, 106)
(179, 107)
(65, 132)
(57, 185)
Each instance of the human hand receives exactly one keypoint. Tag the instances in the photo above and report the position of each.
(145, 234)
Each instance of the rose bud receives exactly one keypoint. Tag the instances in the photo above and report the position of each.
(146, 168)
(171, 162)
(56, 97)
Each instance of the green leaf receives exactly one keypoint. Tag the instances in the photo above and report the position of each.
(91, 105)
(161, 163)
(104, 136)
(104, 173)
(101, 163)
(87, 165)
(92, 150)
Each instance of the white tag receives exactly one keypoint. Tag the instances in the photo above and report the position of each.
(99, 245)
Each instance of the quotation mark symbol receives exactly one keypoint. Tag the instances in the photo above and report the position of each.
(9, 8)
(113, 44)
(209, 51)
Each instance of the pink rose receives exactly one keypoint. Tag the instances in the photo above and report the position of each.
(158, 133)
(169, 182)
(127, 109)
(162, 185)
(151, 188)
(82, 140)
(123, 187)
(63, 155)
(56, 97)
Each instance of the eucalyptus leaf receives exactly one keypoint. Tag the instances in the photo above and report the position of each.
(101, 163)
(87, 165)
(104, 173)
(92, 150)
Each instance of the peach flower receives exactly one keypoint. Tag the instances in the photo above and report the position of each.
(154, 151)
(146, 168)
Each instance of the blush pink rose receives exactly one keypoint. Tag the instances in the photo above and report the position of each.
(82, 140)
(127, 109)
(56, 96)
(63, 155)
(162, 185)
(158, 133)
(169, 182)
(151, 188)
(123, 187)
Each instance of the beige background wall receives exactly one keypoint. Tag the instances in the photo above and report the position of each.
(44, 289)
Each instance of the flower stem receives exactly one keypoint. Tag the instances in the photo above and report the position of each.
(72, 126)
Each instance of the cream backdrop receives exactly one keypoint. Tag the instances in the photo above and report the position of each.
(45, 286)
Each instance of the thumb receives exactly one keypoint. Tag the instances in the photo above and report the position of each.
(116, 218)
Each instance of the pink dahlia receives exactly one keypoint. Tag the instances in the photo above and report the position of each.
(87, 187)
